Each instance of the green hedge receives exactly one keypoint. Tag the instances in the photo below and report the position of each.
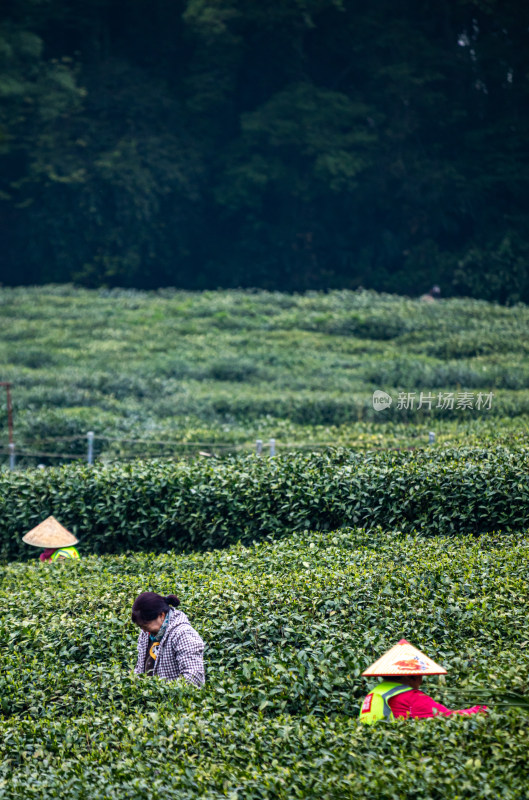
(205, 504)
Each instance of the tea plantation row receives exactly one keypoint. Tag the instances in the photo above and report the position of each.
(289, 626)
(210, 504)
(225, 368)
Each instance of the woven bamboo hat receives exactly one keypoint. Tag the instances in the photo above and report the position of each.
(50, 533)
(404, 659)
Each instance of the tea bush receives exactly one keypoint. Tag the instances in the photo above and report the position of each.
(289, 626)
(211, 504)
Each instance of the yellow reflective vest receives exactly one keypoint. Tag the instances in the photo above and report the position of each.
(64, 552)
(376, 707)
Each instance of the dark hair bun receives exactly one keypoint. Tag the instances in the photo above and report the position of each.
(149, 605)
(172, 600)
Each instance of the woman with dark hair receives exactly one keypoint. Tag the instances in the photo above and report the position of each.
(168, 646)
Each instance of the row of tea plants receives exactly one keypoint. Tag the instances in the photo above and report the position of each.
(220, 369)
(209, 503)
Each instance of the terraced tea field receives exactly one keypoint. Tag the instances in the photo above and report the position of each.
(297, 571)
(173, 373)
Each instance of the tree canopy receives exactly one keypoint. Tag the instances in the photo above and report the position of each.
(286, 144)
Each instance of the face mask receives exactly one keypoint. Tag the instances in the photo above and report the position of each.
(157, 637)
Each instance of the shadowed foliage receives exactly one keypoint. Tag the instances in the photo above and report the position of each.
(294, 144)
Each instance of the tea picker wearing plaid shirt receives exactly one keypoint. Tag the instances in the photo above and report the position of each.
(168, 646)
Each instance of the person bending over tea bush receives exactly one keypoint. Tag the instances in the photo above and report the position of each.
(57, 541)
(402, 669)
(168, 646)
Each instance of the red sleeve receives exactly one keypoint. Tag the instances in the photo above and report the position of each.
(418, 704)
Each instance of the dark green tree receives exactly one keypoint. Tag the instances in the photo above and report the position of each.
(289, 144)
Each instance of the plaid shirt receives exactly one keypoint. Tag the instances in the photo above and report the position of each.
(180, 652)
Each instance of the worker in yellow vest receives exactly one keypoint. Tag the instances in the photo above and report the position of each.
(60, 554)
(57, 541)
(402, 670)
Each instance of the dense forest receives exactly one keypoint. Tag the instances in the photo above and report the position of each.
(286, 144)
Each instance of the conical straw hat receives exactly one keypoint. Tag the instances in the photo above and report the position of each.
(50, 533)
(404, 659)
